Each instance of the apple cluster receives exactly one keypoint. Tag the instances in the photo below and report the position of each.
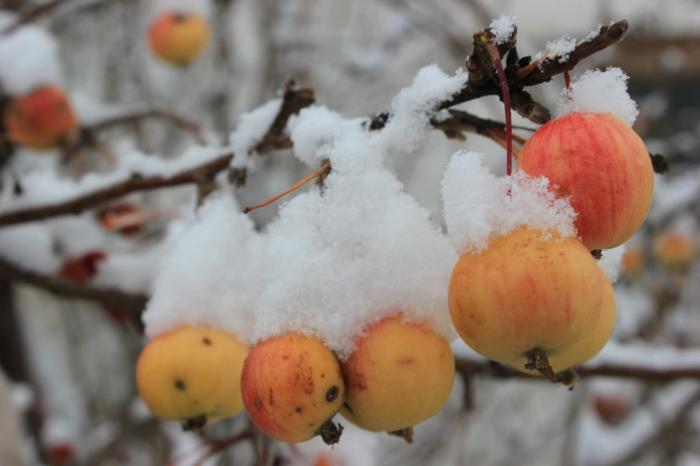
(534, 299)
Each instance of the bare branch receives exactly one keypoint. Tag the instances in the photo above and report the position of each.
(133, 304)
(32, 14)
(468, 367)
(135, 183)
(294, 99)
(191, 126)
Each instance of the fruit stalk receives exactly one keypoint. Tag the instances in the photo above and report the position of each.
(505, 93)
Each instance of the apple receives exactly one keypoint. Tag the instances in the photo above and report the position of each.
(602, 166)
(42, 119)
(178, 37)
(292, 387)
(399, 374)
(192, 375)
(529, 290)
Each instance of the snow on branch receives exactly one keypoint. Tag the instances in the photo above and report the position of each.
(133, 184)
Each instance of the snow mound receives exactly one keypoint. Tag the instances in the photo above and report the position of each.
(361, 251)
(478, 204)
(600, 92)
(30, 60)
(212, 274)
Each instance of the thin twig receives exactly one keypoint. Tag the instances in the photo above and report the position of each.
(187, 124)
(314, 174)
(32, 14)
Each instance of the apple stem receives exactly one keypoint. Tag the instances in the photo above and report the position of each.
(505, 93)
(567, 80)
(330, 432)
(405, 433)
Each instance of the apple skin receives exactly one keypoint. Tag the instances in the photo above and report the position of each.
(178, 37)
(192, 374)
(43, 119)
(292, 386)
(675, 250)
(587, 347)
(529, 289)
(400, 373)
(602, 165)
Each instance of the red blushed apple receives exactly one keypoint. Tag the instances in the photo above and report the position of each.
(598, 161)
(42, 119)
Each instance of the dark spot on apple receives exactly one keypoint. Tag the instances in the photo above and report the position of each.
(298, 409)
(180, 385)
(258, 403)
(332, 394)
(207, 341)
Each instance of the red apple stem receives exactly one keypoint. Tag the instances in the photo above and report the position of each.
(505, 93)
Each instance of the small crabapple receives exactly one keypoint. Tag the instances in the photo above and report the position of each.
(192, 375)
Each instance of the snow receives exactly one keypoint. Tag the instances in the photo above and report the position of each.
(478, 204)
(646, 355)
(413, 107)
(46, 187)
(251, 128)
(212, 273)
(502, 28)
(361, 251)
(30, 60)
(132, 271)
(345, 258)
(30, 246)
(315, 130)
(560, 48)
(611, 262)
(318, 132)
(601, 444)
(600, 92)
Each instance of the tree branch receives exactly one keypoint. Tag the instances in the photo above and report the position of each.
(88, 132)
(32, 14)
(133, 304)
(467, 367)
(294, 99)
(135, 183)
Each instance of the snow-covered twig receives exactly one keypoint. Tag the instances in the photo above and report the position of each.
(136, 183)
(482, 81)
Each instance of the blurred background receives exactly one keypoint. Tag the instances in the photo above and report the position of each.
(67, 393)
